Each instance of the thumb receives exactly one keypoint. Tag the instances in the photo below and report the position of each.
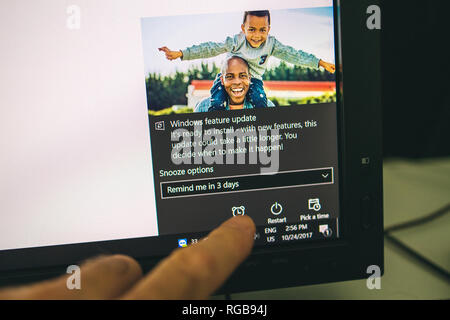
(106, 277)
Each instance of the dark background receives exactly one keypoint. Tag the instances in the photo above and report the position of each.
(415, 78)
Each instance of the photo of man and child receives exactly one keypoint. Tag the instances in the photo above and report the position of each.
(246, 62)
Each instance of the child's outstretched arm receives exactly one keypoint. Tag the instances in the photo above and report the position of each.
(203, 50)
(331, 68)
(299, 57)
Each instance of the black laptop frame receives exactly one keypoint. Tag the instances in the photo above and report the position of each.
(360, 190)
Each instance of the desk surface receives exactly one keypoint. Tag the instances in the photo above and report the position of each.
(412, 189)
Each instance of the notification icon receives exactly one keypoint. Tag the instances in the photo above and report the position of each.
(159, 125)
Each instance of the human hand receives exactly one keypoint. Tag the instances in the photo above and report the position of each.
(327, 66)
(194, 272)
(171, 55)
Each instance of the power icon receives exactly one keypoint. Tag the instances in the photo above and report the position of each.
(276, 208)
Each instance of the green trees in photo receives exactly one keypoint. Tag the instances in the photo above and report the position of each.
(166, 91)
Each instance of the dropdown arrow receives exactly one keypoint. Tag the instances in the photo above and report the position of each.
(324, 175)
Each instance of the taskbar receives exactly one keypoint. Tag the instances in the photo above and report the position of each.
(277, 232)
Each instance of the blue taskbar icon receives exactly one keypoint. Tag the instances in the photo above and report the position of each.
(182, 243)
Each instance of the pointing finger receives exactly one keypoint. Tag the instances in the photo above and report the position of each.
(197, 271)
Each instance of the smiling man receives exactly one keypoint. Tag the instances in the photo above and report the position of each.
(235, 78)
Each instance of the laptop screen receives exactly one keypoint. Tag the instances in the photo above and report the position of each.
(136, 119)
